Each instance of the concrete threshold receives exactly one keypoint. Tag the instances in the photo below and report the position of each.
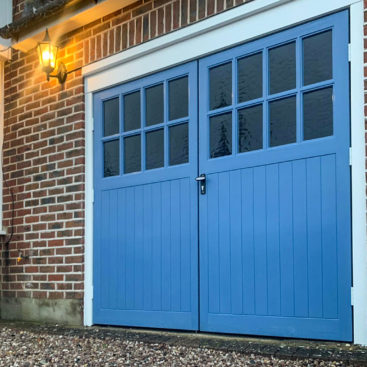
(277, 347)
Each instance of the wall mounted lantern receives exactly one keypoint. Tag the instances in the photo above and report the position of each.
(47, 52)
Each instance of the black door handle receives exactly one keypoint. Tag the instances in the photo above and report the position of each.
(202, 181)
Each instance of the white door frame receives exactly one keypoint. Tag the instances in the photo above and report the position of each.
(238, 25)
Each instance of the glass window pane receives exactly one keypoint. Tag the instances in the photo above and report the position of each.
(250, 77)
(154, 149)
(178, 98)
(250, 128)
(220, 86)
(178, 144)
(282, 68)
(283, 121)
(221, 135)
(154, 105)
(111, 117)
(111, 152)
(132, 154)
(317, 58)
(318, 114)
(132, 111)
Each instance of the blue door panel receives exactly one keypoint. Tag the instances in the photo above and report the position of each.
(289, 264)
(145, 225)
(275, 250)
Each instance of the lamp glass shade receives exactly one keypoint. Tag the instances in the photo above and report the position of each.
(47, 53)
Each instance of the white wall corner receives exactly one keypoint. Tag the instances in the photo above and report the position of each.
(358, 175)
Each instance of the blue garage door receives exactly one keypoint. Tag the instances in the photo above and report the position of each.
(145, 209)
(262, 241)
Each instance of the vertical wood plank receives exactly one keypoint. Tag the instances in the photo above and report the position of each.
(130, 248)
(248, 244)
(224, 243)
(213, 243)
(329, 237)
(156, 254)
(236, 286)
(314, 233)
(185, 255)
(114, 250)
(121, 241)
(286, 238)
(147, 249)
(300, 239)
(261, 276)
(104, 246)
(175, 246)
(272, 237)
(166, 248)
(139, 248)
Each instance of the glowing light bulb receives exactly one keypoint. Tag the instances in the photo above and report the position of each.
(48, 57)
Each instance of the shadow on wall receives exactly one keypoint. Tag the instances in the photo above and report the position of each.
(61, 311)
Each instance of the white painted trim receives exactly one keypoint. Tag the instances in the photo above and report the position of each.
(88, 254)
(358, 175)
(236, 26)
(2, 62)
(5, 49)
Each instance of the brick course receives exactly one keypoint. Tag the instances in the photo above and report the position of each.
(44, 156)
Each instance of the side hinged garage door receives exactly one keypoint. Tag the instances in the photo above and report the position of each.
(275, 240)
(145, 210)
(261, 244)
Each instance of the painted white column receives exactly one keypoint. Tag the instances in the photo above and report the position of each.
(358, 175)
(89, 197)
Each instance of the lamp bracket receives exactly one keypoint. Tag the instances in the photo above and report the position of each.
(61, 73)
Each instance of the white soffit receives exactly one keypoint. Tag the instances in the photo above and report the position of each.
(69, 21)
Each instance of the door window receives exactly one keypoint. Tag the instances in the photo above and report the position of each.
(154, 128)
(275, 96)
(111, 154)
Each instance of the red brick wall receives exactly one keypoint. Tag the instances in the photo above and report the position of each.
(44, 146)
(18, 7)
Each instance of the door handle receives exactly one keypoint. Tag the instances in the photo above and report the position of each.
(202, 181)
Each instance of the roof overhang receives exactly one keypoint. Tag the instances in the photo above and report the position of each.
(74, 15)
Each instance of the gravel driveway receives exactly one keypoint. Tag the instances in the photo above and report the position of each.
(27, 346)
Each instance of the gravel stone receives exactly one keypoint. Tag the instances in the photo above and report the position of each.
(31, 346)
